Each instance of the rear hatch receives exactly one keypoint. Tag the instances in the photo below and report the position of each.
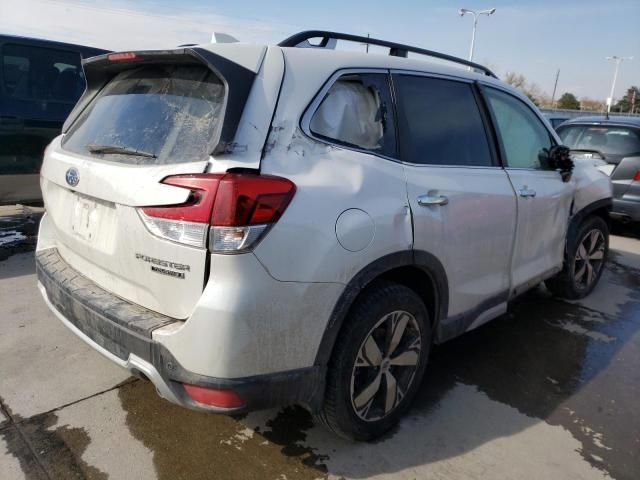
(144, 117)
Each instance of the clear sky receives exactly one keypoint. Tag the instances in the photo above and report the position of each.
(532, 37)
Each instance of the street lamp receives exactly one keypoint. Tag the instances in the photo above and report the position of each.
(618, 61)
(475, 14)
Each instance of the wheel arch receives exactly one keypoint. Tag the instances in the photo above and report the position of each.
(600, 208)
(418, 270)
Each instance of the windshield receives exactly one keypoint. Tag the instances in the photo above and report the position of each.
(171, 113)
(607, 140)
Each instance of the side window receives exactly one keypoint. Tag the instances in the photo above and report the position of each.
(357, 112)
(41, 74)
(523, 136)
(440, 123)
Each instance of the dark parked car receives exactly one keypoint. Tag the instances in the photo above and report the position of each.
(556, 119)
(40, 82)
(616, 140)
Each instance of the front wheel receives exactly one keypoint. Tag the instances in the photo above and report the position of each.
(378, 362)
(584, 262)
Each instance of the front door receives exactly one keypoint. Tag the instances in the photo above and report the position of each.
(544, 199)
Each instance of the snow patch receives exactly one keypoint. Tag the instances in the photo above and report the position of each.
(11, 236)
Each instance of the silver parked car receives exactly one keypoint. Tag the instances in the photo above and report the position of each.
(616, 140)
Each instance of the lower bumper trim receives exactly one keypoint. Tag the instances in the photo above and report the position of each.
(626, 209)
(132, 363)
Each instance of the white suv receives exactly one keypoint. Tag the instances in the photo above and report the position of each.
(250, 226)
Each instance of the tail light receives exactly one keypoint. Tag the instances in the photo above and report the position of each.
(233, 210)
(636, 177)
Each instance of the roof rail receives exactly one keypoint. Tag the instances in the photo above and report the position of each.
(395, 49)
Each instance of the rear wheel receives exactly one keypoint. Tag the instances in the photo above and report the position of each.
(378, 362)
(584, 262)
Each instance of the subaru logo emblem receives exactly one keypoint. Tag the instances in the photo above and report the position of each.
(72, 177)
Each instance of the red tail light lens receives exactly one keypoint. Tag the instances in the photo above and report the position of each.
(636, 177)
(198, 206)
(239, 208)
(251, 200)
(214, 397)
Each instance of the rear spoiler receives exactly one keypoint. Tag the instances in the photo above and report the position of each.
(237, 81)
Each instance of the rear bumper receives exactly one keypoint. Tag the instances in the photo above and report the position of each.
(627, 207)
(122, 332)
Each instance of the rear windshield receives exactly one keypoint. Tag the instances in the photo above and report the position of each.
(607, 140)
(172, 114)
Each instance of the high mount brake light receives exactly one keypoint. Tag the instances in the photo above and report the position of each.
(636, 177)
(239, 208)
(122, 57)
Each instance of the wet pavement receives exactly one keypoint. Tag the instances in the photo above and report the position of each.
(18, 228)
(549, 390)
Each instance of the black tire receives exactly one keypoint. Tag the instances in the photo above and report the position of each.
(569, 283)
(377, 314)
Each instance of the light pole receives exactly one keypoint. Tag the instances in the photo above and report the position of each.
(618, 61)
(555, 86)
(475, 14)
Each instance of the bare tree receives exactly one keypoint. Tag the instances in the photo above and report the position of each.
(514, 79)
(531, 90)
(587, 103)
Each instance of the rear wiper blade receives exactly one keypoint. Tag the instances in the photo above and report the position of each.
(117, 150)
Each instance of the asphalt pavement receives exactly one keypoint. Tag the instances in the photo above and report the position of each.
(549, 390)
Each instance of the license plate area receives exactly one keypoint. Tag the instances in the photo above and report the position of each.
(86, 216)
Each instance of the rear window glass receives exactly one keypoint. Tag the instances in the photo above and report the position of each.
(607, 140)
(41, 74)
(171, 113)
(357, 112)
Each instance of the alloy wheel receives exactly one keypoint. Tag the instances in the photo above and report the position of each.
(385, 366)
(589, 259)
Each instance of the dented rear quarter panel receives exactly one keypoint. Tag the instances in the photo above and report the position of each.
(303, 245)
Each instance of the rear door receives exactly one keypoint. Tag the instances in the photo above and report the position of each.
(464, 208)
(544, 199)
(147, 121)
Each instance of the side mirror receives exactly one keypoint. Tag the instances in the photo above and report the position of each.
(559, 158)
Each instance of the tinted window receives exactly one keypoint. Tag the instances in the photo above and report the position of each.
(607, 140)
(440, 123)
(357, 112)
(171, 112)
(42, 74)
(523, 135)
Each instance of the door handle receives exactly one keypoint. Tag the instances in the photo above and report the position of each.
(432, 200)
(527, 192)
